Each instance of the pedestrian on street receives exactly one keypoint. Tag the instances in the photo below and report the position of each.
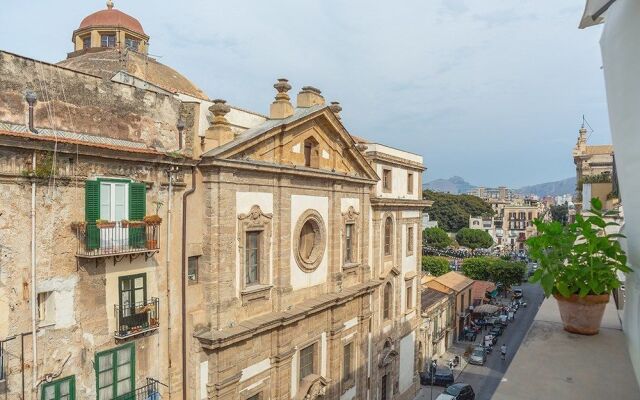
(503, 351)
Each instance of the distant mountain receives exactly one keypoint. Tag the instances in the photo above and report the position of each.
(557, 188)
(453, 185)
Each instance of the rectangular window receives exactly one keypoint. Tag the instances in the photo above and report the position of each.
(410, 183)
(252, 260)
(386, 180)
(61, 389)
(348, 237)
(86, 42)
(306, 361)
(347, 373)
(115, 372)
(133, 296)
(46, 308)
(462, 304)
(131, 43)
(410, 240)
(108, 40)
(192, 269)
(409, 297)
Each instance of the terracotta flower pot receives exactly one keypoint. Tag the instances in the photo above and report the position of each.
(582, 315)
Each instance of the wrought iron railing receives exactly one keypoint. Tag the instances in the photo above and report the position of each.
(438, 335)
(137, 318)
(150, 391)
(116, 238)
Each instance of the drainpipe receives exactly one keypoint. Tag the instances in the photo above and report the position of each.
(184, 280)
(34, 343)
(167, 271)
(31, 98)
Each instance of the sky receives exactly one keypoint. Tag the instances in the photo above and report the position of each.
(493, 91)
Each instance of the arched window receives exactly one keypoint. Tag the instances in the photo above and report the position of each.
(388, 229)
(311, 153)
(386, 310)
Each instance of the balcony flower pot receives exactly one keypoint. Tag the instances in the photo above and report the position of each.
(103, 224)
(152, 220)
(79, 226)
(582, 315)
(152, 244)
(132, 224)
(578, 264)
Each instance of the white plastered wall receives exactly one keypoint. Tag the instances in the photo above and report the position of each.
(407, 355)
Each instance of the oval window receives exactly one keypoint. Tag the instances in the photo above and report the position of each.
(310, 240)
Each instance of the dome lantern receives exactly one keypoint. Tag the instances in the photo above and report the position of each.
(109, 28)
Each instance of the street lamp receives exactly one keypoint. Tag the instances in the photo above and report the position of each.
(432, 372)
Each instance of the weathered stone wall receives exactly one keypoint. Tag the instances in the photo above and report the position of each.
(77, 102)
(85, 291)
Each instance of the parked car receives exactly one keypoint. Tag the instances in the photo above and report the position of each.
(442, 376)
(478, 356)
(458, 391)
(517, 293)
(496, 331)
(490, 339)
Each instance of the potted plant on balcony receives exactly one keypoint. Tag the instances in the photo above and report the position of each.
(578, 265)
(78, 226)
(125, 223)
(104, 224)
(153, 221)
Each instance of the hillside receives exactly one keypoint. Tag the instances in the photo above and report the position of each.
(556, 188)
(453, 185)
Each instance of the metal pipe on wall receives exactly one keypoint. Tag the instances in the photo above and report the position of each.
(34, 344)
(184, 280)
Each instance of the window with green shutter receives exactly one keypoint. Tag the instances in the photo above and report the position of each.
(137, 211)
(92, 213)
(115, 372)
(62, 389)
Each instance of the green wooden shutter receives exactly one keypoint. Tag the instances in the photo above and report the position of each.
(137, 211)
(92, 213)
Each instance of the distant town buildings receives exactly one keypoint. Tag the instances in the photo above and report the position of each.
(594, 172)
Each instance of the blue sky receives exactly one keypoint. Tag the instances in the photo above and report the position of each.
(493, 90)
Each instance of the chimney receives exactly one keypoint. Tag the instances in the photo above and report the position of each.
(219, 132)
(336, 108)
(309, 97)
(281, 108)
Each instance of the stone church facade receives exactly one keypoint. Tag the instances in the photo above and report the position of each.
(153, 240)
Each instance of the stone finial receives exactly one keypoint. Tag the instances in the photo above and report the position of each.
(336, 108)
(109, 4)
(281, 108)
(220, 131)
(309, 97)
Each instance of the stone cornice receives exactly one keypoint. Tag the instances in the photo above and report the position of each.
(377, 156)
(404, 203)
(252, 165)
(212, 339)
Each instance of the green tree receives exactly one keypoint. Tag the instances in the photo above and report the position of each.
(436, 237)
(435, 266)
(474, 238)
(478, 267)
(508, 273)
(494, 269)
(453, 211)
(560, 213)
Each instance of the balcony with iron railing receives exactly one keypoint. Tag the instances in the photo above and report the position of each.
(116, 239)
(150, 391)
(137, 318)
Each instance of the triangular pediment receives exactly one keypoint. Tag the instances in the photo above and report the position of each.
(310, 140)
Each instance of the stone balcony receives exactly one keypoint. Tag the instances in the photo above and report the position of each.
(554, 364)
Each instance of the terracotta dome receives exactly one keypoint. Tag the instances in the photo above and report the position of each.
(112, 17)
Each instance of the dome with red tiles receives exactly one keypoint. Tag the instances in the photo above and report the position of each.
(112, 18)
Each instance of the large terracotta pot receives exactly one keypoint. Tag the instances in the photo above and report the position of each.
(582, 315)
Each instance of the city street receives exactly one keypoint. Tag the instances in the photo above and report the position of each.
(485, 379)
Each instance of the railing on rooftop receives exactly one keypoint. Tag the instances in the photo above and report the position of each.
(150, 391)
(137, 318)
(115, 238)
